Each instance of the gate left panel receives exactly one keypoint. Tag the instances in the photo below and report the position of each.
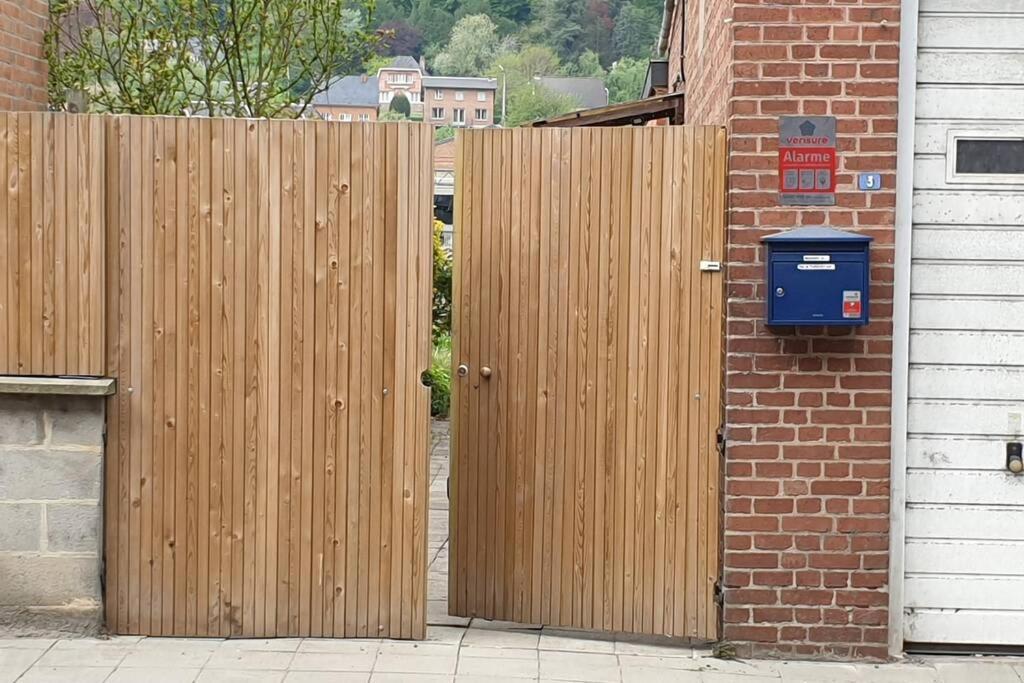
(268, 318)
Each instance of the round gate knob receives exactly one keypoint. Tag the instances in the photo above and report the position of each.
(462, 370)
(485, 372)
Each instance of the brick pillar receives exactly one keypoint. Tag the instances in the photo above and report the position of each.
(23, 70)
(808, 410)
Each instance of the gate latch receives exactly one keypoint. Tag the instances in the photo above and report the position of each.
(710, 266)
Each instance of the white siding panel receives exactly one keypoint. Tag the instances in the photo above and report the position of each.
(981, 383)
(977, 66)
(934, 417)
(953, 313)
(972, 6)
(965, 488)
(965, 522)
(940, 102)
(986, 31)
(924, 452)
(966, 348)
(968, 627)
(966, 592)
(930, 135)
(968, 208)
(957, 556)
(999, 244)
(930, 174)
(967, 278)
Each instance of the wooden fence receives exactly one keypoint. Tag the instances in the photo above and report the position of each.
(51, 245)
(585, 473)
(269, 318)
(261, 291)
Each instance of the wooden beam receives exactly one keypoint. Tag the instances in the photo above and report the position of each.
(624, 114)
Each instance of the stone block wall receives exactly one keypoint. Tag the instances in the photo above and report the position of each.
(51, 468)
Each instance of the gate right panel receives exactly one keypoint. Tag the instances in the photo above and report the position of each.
(585, 473)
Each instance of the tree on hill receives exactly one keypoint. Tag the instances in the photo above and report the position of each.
(536, 102)
(636, 30)
(625, 80)
(398, 37)
(473, 46)
(560, 25)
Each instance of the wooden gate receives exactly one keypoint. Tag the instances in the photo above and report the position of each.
(585, 474)
(268, 318)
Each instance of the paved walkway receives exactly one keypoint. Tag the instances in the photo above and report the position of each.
(456, 651)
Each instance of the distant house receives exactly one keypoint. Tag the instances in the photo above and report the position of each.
(349, 98)
(588, 92)
(440, 100)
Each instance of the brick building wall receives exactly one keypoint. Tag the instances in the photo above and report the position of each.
(808, 411)
(469, 104)
(23, 71)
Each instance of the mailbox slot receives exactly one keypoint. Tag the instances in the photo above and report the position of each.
(817, 276)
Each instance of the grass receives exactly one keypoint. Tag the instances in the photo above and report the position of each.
(439, 377)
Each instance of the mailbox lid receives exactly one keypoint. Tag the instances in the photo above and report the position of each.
(816, 239)
(818, 293)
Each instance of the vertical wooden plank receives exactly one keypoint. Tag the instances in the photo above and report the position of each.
(96, 282)
(406, 382)
(180, 374)
(136, 535)
(155, 328)
(45, 192)
(111, 484)
(215, 369)
(270, 223)
(37, 267)
(126, 240)
(167, 374)
(59, 198)
(24, 285)
(307, 474)
(455, 566)
(321, 483)
(5, 231)
(286, 332)
(8, 241)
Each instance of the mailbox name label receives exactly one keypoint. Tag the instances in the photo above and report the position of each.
(807, 160)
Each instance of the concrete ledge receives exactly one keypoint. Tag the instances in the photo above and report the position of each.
(65, 386)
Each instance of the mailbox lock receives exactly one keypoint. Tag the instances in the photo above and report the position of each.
(1014, 460)
(779, 291)
(462, 370)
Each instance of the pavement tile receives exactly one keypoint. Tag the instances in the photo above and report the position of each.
(737, 678)
(658, 662)
(497, 666)
(414, 664)
(19, 659)
(659, 649)
(976, 672)
(492, 638)
(579, 666)
(266, 644)
(10, 675)
(26, 643)
(416, 648)
(326, 677)
(445, 634)
(66, 674)
(322, 661)
(649, 675)
(98, 655)
(340, 646)
(170, 652)
(490, 679)
(823, 672)
(222, 676)
(900, 673)
(410, 678)
(154, 675)
(481, 652)
(243, 660)
(568, 643)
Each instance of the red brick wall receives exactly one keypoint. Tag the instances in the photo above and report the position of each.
(706, 50)
(22, 64)
(808, 411)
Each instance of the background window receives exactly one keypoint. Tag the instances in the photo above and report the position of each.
(437, 113)
(364, 117)
(459, 116)
(992, 156)
(481, 114)
(459, 95)
(481, 96)
(438, 95)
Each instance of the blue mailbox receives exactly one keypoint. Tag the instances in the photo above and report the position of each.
(817, 276)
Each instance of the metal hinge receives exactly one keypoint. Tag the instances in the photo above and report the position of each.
(710, 266)
(720, 440)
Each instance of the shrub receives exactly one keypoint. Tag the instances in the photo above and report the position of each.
(442, 286)
(439, 377)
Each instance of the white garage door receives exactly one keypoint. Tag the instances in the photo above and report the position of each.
(965, 512)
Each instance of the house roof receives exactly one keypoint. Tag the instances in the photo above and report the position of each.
(404, 62)
(469, 83)
(589, 92)
(351, 91)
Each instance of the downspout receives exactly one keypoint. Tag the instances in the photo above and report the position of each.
(666, 25)
(901, 318)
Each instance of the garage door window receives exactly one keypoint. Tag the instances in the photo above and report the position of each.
(987, 156)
